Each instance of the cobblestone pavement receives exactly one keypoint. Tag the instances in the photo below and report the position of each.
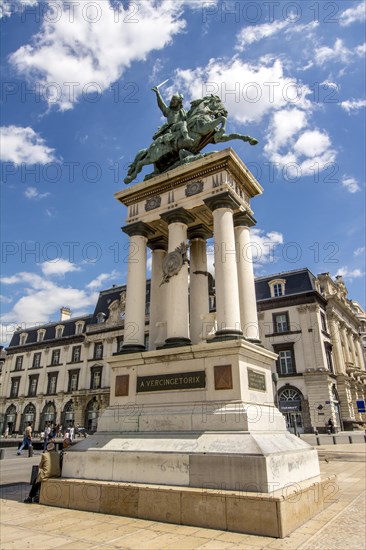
(341, 525)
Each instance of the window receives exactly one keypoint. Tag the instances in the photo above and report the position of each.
(23, 338)
(19, 362)
(36, 361)
(40, 335)
(33, 382)
(280, 322)
(79, 328)
(323, 322)
(73, 380)
(98, 350)
(146, 341)
(328, 354)
(119, 344)
(277, 290)
(55, 357)
(96, 378)
(59, 331)
(14, 389)
(52, 383)
(286, 359)
(286, 363)
(100, 317)
(76, 354)
(277, 287)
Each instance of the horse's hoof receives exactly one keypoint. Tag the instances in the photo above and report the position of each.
(253, 141)
(127, 180)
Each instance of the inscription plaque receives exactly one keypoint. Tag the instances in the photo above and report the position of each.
(175, 381)
(256, 380)
(122, 382)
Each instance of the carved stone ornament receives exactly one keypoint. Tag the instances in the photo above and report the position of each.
(152, 203)
(194, 188)
(174, 261)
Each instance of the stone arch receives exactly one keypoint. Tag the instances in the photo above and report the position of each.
(68, 414)
(29, 415)
(48, 414)
(91, 415)
(10, 419)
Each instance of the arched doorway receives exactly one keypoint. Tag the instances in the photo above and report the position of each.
(10, 419)
(48, 414)
(91, 415)
(290, 400)
(29, 415)
(68, 415)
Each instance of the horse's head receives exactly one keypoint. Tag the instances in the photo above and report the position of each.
(216, 106)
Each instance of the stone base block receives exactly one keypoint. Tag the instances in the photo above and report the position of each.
(274, 514)
(253, 462)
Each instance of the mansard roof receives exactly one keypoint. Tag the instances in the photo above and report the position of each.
(50, 328)
(297, 281)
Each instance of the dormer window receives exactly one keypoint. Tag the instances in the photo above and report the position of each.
(79, 327)
(59, 331)
(40, 335)
(277, 287)
(23, 338)
(101, 317)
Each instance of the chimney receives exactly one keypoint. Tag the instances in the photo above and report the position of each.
(65, 313)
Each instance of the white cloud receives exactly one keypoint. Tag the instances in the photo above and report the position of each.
(76, 50)
(58, 268)
(312, 143)
(338, 52)
(32, 193)
(250, 34)
(8, 7)
(23, 145)
(351, 184)
(99, 281)
(249, 91)
(351, 105)
(360, 251)
(300, 154)
(349, 273)
(353, 15)
(5, 299)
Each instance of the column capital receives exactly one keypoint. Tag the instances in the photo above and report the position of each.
(158, 243)
(138, 228)
(222, 200)
(178, 215)
(244, 219)
(200, 231)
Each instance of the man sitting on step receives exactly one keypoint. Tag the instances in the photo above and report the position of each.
(48, 467)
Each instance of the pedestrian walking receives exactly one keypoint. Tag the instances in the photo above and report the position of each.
(27, 439)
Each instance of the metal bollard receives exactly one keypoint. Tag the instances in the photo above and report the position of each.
(2, 454)
(350, 439)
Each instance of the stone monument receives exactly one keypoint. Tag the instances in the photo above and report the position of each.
(192, 434)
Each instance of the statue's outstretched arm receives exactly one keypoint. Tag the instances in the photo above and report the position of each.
(161, 104)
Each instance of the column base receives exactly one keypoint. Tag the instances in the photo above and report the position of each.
(131, 348)
(226, 334)
(175, 343)
(254, 341)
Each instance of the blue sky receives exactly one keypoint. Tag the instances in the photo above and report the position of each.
(77, 105)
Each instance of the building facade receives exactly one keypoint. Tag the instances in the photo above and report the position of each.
(58, 372)
(315, 330)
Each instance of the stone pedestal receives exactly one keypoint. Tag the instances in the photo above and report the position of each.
(186, 418)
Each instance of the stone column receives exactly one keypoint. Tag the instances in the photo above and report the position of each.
(248, 303)
(353, 350)
(134, 332)
(360, 353)
(345, 342)
(177, 316)
(226, 275)
(198, 294)
(337, 346)
(157, 290)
